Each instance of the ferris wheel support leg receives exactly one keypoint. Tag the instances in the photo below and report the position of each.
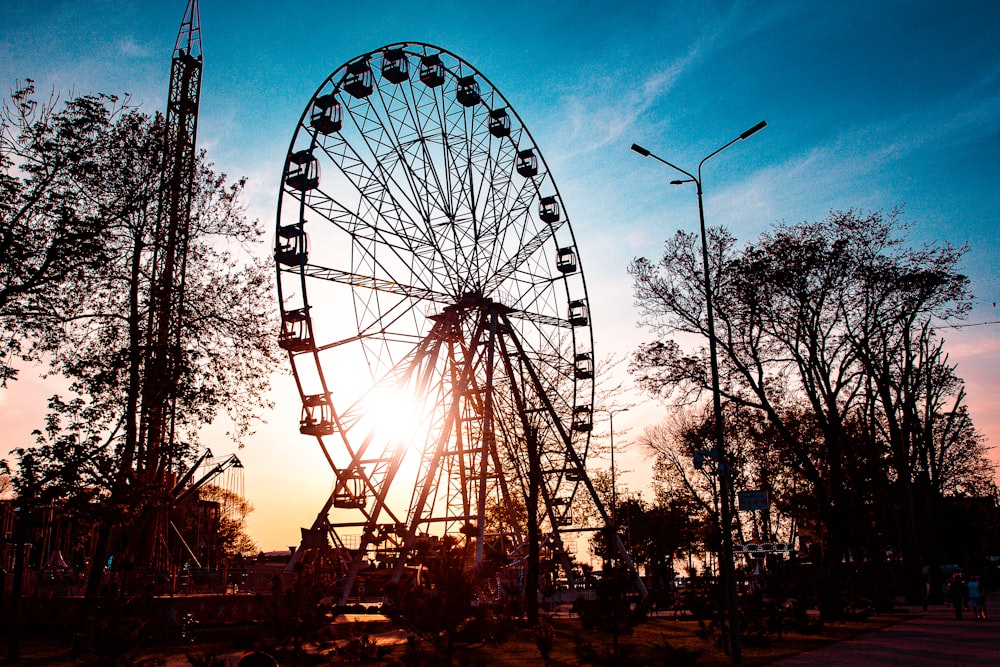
(490, 445)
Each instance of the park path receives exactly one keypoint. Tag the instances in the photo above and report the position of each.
(934, 637)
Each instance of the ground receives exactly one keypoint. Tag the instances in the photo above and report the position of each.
(659, 640)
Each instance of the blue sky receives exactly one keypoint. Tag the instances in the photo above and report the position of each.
(868, 104)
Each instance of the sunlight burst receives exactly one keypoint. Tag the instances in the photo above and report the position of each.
(393, 415)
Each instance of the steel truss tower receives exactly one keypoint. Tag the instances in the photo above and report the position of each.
(157, 460)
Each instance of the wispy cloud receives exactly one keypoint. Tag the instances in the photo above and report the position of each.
(617, 101)
(590, 122)
(129, 48)
(967, 115)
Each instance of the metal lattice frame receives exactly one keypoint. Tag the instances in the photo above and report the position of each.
(423, 252)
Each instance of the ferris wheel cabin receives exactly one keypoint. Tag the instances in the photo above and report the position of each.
(431, 71)
(327, 116)
(583, 419)
(566, 260)
(499, 122)
(296, 331)
(527, 163)
(317, 416)
(352, 494)
(293, 245)
(579, 315)
(358, 80)
(395, 66)
(548, 209)
(303, 171)
(468, 91)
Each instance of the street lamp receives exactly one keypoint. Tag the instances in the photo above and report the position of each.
(614, 485)
(719, 454)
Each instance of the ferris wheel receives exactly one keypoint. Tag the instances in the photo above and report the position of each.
(434, 310)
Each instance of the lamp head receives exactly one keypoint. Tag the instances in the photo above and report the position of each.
(753, 130)
(640, 150)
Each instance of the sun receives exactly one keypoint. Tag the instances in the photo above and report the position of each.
(393, 415)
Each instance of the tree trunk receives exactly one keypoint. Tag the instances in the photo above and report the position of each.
(14, 638)
(531, 579)
(96, 575)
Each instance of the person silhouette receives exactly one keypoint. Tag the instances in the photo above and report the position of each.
(976, 598)
(958, 593)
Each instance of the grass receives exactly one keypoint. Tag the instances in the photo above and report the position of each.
(665, 641)
(656, 641)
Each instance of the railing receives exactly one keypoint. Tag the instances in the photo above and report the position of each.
(253, 578)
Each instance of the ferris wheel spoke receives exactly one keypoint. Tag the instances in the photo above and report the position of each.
(527, 249)
(407, 250)
(487, 162)
(425, 184)
(430, 177)
(379, 284)
(398, 234)
(375, 128)
(540, 318)
(372, 187)
(427, 121)
(505, 204)
(406, 212)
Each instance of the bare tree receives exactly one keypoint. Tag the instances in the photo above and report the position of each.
(818, 329)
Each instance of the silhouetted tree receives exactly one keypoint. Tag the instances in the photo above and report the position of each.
(93, 324)
(51, 234)
(819, 328)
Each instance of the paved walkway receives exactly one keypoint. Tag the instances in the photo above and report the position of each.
(934, 637)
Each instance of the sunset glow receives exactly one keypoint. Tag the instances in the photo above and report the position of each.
(868, 107)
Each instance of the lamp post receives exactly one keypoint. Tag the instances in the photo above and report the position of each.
(613, 533)
(614, 484)
(719, 453)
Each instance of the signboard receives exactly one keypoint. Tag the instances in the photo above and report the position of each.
(753, 500)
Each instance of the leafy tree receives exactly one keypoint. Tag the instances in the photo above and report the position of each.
(435, 608)
(50, 233)
(94, 326)
(213, 523)
(232, 531)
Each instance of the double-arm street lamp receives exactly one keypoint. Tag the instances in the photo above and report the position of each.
(719, 453)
